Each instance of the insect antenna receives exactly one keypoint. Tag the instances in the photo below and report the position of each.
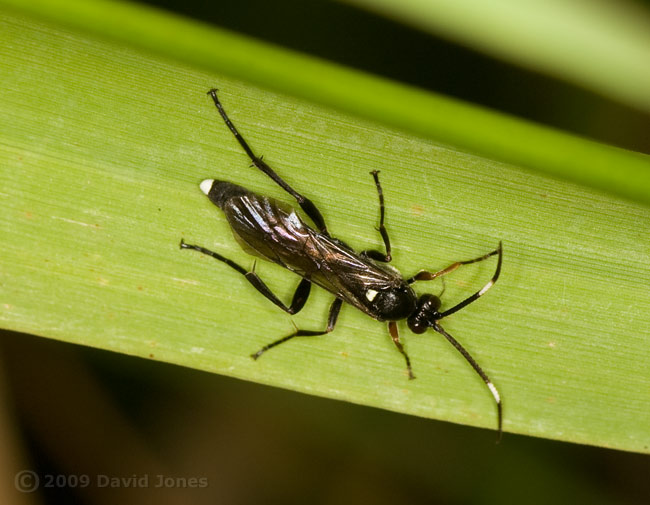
(479, 293)
(478, 370)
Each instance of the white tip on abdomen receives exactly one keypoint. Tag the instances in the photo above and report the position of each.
(206, 185)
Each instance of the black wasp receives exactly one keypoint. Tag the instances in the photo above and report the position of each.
(272, 230)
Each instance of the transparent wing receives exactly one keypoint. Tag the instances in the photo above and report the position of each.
(272, 230)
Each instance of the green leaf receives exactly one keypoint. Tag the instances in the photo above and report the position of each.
(102, 147)
(600, 45)
(425, 114)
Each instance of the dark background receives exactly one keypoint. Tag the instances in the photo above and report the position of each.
(80, 411)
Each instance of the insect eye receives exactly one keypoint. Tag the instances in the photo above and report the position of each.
(416, 325)
(429, 303)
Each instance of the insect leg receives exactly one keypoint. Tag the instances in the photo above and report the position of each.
(335, 308)
(377, 255)
(478, 370)
(424, 275)
(394, 334)
(480, 292)
(299, 297)
(307, 205)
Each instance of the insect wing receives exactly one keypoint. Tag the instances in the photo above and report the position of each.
(270, 230)
(349, 275)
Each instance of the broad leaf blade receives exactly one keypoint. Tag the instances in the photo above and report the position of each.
(102, 149)
(467, 127)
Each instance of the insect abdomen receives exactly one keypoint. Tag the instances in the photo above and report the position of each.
(219, 192)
